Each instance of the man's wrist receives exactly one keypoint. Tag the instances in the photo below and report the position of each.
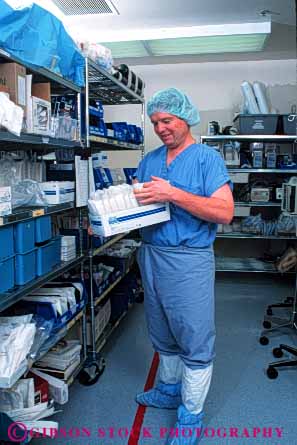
(172, 193)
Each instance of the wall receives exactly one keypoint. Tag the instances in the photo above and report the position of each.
(214, 88)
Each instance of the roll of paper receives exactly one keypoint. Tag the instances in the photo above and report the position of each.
(260, 93)
(249, 97)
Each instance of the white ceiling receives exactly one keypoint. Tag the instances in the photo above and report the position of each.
(170, 13)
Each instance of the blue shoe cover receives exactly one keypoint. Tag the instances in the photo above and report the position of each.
(162, 396)
(188, 428)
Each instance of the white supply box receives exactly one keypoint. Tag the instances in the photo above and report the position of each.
(102, 318)
(5, 208)
(41, 116)
(242, 211)
(68, 248)
(58, 192)
(5, 194)
(130, 219)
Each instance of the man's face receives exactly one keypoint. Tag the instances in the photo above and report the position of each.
(172, 130)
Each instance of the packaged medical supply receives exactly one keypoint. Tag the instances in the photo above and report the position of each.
(5, 208)
(58, 192)
(5, 194)
(130, 219)
(116, 210)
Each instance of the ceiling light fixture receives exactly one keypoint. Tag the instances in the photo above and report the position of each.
(186, 31)
(227, 38)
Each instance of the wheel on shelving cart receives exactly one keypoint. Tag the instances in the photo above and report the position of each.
(263, 340)
(271, 373)
(266, 324)
(269, 311)
(277, 352)
(92, 371)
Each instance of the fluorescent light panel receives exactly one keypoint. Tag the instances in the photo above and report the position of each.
(191, 45)
(126, 49)
(207, 45)
(185, 31)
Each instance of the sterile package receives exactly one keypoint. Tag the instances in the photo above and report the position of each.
(130, 219)
(58, 192)
(11, 115)
(116, 210)
(17, 335)
(5, 194)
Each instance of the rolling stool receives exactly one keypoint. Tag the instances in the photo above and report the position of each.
(278, 352)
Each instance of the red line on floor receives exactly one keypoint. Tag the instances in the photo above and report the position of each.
(139, 416)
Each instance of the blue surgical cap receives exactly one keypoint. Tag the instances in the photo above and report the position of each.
(173, 101)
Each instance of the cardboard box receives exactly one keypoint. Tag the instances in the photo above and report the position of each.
(42, 90)
(13, 77)
(102, 317)
(130, 219)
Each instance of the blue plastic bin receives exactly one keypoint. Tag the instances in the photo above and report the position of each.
(43, 229)
(46, 311)
(24, 236)
(25, 267)
(6, 242)
(6, 274)
(56, 251)
(44, 259)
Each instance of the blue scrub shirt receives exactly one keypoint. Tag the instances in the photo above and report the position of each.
(198, 169)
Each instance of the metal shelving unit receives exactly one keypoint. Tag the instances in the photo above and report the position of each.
(99, 85)
(252, 138)
(28, 141)
(104, 86)
(232, 264)
(23, 214)
(241, 235)
(8, 141)
(112, 144)
(263, 170)
(257, 204)
(228, 264)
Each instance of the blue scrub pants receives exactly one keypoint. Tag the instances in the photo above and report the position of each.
(179, 301)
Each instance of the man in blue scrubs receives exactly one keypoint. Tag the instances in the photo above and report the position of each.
(177, 261)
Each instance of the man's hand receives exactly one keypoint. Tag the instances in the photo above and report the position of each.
(158, 190)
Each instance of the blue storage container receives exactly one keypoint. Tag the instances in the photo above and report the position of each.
(43, 229)
(47, 311)
(6, 274)
(56, 251)
(6, 242)
(44, 259)
(25, 267)
(24, 236)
